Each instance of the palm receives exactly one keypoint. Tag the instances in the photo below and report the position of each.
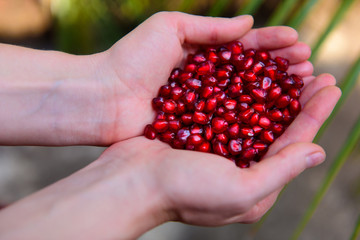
(204, 188)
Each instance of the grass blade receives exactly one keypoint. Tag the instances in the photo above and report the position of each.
(186, 5)
(218, 7)
(301, 14)
(340, 159)
(356, 232)
(281, 12)
(345, 5)
(250, 7)
(346, 86)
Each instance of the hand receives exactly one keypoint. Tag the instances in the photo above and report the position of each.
(141, 62)
(208, 190)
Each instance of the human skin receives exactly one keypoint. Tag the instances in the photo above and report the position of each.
(137, 184)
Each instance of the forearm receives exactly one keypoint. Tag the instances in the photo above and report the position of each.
(110, 199)
(49, 97)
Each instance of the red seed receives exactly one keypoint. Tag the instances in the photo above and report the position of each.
(174, 125)
(282, 101)
(220, 149)
(200, 118)
(219, 125)
(167, 137)
(294, 107)
(195, 139)
(169, 106)
(234, 147)
(234, 130)
(203, 147)
(282, 63)
(206, 68)
(208, 132)
(160, 125)
(150, 132)
(264, 122)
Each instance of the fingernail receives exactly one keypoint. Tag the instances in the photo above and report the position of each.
(314, 159)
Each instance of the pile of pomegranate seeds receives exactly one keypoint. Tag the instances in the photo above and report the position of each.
(228, 101)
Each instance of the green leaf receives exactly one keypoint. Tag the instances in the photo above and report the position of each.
(250, 7)
(218, 7)
(340, 159)
(356, 232)
(282, 12)
(301, 14)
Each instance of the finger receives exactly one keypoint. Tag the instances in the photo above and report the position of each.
(314, 86)
(297, 53)
(274, 172)
(270, 38)
(207, 30)
(307, 80)
(308, 122)
(303, 69)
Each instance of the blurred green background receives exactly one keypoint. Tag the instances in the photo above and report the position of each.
(323, 203)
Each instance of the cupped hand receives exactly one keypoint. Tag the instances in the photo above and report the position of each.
(136, 66)
(206, 189)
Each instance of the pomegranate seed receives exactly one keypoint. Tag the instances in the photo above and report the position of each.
(219, 125)
(184, 76)
(235, 47)
(206, 68)
(294, 107)
(207, 91)
(224, 55)
(193, 83)
(235, 90)
(199, 58)
(174, 125)
(276, 115)
(150, 132)
(174, 75)
(299, 83)
(250, 76)
(208, 132)
(167, 137)
(194, 139)
(249, 153)
(270, 71)
(160, 125)
(283, 101)
(262, 55)
(204, 147)
(264, 122)
(230, 117)
(190, 67)
(268, 136)
(213, 57)
(221, 137)
(157, 103)
(247, 132)
(294, 93)
(220, 149)
(169, 106)
(254, 119)
(258, 67)
(230, 104)
(210, 105)
(235, 147)
(259, 94)
(200, 118)
(282, 63)
(187, 118)
(248, 142)
(228, 101)
(260, 146)
(234, 130)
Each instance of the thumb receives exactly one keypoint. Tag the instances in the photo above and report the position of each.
(274, 172)
(207, 30)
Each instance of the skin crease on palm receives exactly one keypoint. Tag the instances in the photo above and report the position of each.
(145, 183)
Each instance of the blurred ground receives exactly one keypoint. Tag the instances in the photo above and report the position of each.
(24, 170)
